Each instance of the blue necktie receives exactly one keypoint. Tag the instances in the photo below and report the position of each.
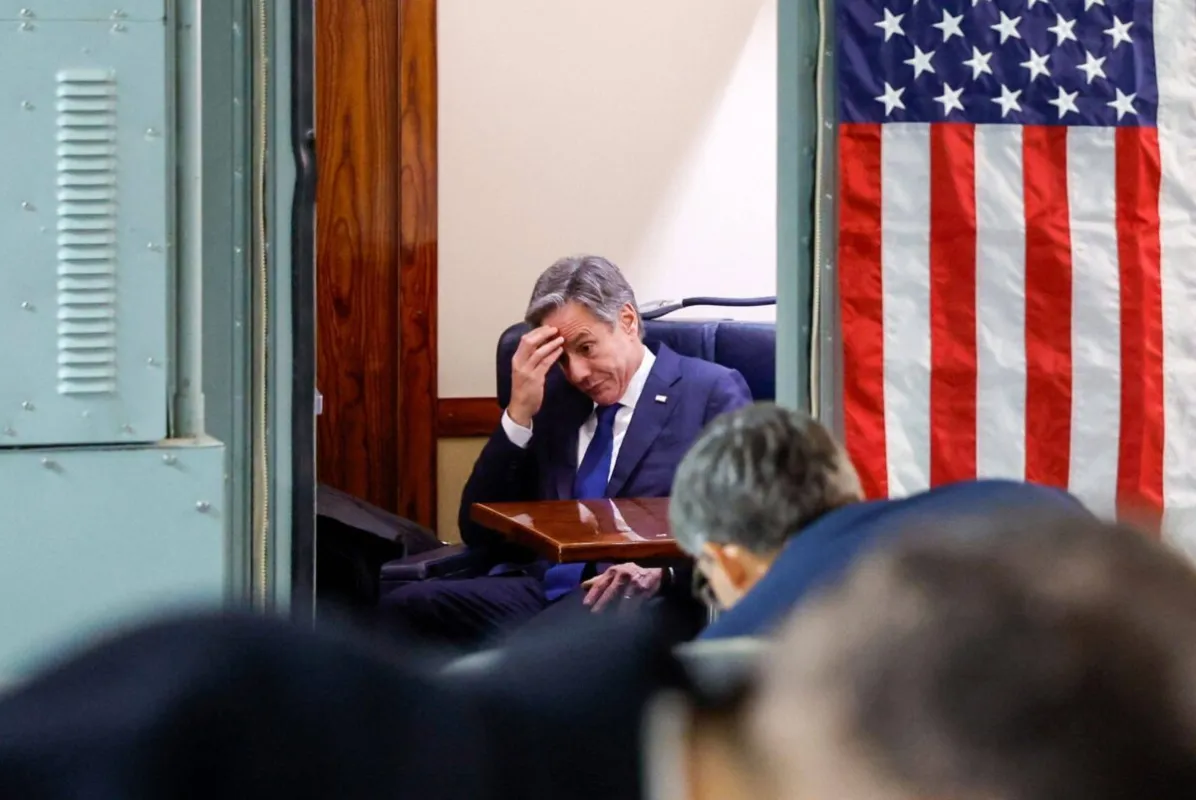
(590, 484)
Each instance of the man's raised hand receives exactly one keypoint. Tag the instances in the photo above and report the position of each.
(538, 350)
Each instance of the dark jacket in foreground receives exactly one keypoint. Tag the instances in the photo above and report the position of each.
(827, 548)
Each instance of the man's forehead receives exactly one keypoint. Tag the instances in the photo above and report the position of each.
(572, 321)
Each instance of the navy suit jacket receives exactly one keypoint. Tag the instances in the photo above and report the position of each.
(827, 548)
(660, 433)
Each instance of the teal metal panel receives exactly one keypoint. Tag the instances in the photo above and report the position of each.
(282, 351)
(119, 11)
(84, 220)
(797, 133)
(97, 537)
(225, 217)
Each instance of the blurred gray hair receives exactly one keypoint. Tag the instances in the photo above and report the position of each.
(1030, 655)
(589, 281)
(757, 476)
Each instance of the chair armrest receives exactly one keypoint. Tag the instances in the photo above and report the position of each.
(455, 560)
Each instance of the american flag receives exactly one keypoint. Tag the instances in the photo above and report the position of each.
(1017, 245)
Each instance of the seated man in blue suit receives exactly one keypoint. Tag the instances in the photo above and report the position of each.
(770, 506)
(594, 413)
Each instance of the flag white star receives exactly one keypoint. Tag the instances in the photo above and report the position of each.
(891, 98)
(977, 2)
(1124, 104)
(1090, 3)
(1006, 27)
(1065, 102)
(949, 26)
(921, 61)
(1037, 64)
(979, 63)
(1008, 100)
(891, 24)
(1120, 32)
(1033, 3)
(950, 99)
(1093, 67)
(1063, 30)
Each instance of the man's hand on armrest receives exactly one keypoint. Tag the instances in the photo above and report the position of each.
(623, 584)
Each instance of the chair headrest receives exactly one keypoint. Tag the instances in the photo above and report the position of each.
(749, 347)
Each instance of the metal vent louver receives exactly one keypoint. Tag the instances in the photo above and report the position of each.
(86, 149)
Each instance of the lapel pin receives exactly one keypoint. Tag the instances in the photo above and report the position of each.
(660, 398)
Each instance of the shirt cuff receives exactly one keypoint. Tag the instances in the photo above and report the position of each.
(519, 435)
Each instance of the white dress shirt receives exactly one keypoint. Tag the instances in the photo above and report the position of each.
(521, 436)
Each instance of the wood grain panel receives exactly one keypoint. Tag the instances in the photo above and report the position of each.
(357, 135)
(417, 260)
(461, 417)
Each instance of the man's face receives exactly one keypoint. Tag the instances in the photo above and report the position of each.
(599, 358)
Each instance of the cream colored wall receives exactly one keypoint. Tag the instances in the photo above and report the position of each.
(454, 460)
(642, 130)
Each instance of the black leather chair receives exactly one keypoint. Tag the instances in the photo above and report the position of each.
(749, 347)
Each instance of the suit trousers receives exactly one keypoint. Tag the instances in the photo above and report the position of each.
(475, 612)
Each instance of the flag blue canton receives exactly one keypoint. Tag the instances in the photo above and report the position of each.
(1021, 62)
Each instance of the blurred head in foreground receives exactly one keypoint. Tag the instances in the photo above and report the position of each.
(752, 481)
(1044, 658)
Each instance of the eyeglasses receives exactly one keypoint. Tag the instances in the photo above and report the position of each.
(702, 590)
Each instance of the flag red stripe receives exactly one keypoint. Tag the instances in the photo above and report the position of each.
(1140, 456)
(952, 303)
(1048, 304)
(861, 303)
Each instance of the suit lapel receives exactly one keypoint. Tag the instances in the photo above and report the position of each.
(649, 418)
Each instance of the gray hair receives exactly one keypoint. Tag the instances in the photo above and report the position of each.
(589, 281)
(757, 476)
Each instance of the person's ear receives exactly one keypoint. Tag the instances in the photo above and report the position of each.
(730, 560)
(628, 319)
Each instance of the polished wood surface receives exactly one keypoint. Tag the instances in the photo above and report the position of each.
(357, 287)
(462, 417)
(417, 260)
(590, 530)
(376, 251)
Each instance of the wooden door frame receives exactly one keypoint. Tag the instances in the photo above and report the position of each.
(417, 227)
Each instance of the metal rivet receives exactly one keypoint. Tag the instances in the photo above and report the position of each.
(827, 197)
(118, 14)
(238, 250)
(25, 304)
(150, 133)
(25, 404)
(203, 506)
(153, 246)
(118, 28)
(26, 26)
(25, 104)
(27, 205)
(48, 463)
(829, 125)
(168, 459)
(149, 362)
